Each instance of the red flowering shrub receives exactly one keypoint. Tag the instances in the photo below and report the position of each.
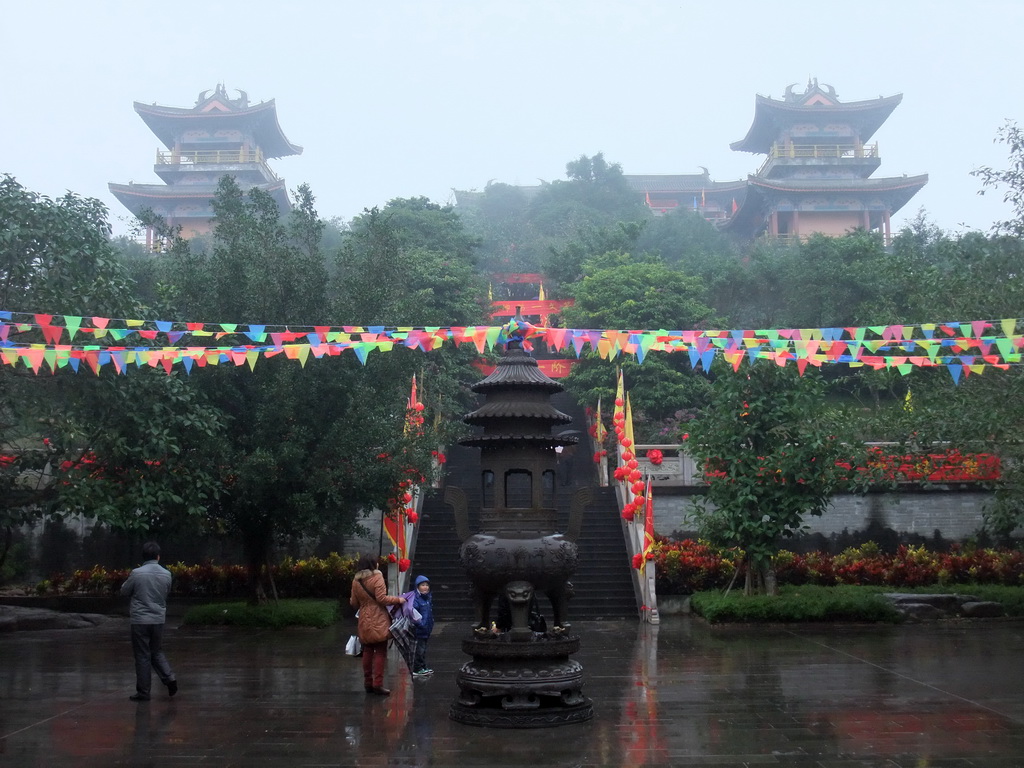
(688, 566)
(326, 577)
(691, 566)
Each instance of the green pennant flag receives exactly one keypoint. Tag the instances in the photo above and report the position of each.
(73, 323)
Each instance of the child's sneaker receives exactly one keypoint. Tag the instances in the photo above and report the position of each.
(422, 672)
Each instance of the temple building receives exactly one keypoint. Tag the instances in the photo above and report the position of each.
(815, 177)
(716, 201)
(218, 136)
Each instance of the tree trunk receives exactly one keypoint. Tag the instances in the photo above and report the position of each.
(761, 578)
(8, 539)
(256, 555)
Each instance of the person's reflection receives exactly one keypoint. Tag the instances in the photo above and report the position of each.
(414, 749)
(383, 723)
(152, 724)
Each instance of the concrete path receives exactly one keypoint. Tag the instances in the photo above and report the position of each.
(949, 695)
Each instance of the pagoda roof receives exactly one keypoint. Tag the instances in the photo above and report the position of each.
(819, 103)
(761, 192)
(136, 197)
(910, 184)
(219, 112)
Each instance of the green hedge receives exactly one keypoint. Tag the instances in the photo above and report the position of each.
(796, 604)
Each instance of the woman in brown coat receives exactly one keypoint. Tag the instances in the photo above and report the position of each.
(369, 596)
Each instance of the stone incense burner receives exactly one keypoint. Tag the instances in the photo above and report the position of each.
(519, 677)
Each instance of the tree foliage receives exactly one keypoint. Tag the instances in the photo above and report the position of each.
(768, 445)
(621, 292)
(114, 448)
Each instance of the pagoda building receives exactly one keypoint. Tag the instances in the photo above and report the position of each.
(816, 177)
(218, 136)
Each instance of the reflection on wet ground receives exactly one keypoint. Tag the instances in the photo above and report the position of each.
(680, 693)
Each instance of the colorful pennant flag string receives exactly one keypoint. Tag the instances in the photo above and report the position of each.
(43, 341)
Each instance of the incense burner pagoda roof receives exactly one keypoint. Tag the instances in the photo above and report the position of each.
(817, 104)
(539, 441)
(517, 409)
(168, 123)
(517, 370)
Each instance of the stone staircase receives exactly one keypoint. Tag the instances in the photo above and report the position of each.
(603, 581)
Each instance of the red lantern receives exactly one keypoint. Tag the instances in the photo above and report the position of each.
(638, 487)
(626, 443)
(419, 407)
(620, 473)
(655, 456)
(634, 475)
(392, 558)
(627, 513)
(627, 455)
(638, 560)
(406, 497)
(597, 457)
(619, 402)
(403, 564)
(632, 464)
(412, 517)
(640, 501)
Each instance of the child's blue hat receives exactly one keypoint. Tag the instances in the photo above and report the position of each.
(422, 580)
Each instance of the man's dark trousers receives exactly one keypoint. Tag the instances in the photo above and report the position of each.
(147, 644)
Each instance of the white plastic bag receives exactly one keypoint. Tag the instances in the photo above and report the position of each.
(353, 647)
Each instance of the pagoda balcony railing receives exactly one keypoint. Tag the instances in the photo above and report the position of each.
(840, 152)
(213, 157)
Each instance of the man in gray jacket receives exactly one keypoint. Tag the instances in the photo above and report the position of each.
(148, 587)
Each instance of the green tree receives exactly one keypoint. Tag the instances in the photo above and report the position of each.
(769, 446)
(1009, 179)
(620, 292)
(124, 439)
(412, 263)
(310, 450)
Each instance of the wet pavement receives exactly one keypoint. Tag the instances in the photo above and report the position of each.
(681, 693)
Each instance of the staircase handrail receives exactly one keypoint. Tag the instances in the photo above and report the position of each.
(633, 534)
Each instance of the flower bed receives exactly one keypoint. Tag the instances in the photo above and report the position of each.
(688, 566)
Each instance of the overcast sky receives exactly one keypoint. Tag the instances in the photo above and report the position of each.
(398, 99)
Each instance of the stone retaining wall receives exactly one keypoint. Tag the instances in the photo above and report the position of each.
(941, 514)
